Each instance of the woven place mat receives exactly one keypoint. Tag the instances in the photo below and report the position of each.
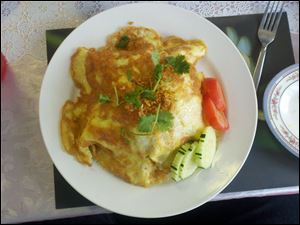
(269, 165)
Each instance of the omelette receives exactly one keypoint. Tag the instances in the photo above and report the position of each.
(139, 101)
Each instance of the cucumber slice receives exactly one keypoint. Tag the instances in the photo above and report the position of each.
(186, 146)
(206, 149)
(175, 166)
(188, 166)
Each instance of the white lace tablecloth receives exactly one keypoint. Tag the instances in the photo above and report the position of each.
(27, 188)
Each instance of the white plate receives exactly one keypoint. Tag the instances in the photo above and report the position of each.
(281, 108)
(223, 60)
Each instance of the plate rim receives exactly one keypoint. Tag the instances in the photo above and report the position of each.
(251, 139)
(266, 100)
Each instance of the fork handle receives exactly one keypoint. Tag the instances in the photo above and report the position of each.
(259, 66)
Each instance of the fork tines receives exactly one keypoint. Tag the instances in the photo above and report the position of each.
(272, 15)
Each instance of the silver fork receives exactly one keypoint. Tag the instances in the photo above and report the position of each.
(266, 34)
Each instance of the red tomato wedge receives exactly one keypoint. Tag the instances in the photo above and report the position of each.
(3, 66)
(213, 116)
(212, 88)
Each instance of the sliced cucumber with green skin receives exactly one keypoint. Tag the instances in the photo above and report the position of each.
(186, 146)
(196, 154)
(188, 166)
(175, 166)
(206, 149)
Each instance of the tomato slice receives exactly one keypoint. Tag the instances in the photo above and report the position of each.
(212, 88)
(3, 66)
(213, 116)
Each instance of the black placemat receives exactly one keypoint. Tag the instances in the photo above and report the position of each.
(269, 165)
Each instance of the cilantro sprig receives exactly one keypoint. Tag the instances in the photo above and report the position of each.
(157, 69)
(148, 94)
(133, 98)
(116, 95)
(179, 64)
(157, 75)
(162, 119)
(123, 42)
(155, 57)
(146, 123)
(165, 120)
(103, 99)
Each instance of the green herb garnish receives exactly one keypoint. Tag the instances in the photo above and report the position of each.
(179, 64)
(146, 123)
(158, 72)
(133, 98)
(148, 94)
(155, 57)
(103, 99)
(116, 94)
(157, 75)
(156, 118)
(163, 120)
(123, 42)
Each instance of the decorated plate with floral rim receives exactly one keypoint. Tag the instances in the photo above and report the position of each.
(281, 107)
